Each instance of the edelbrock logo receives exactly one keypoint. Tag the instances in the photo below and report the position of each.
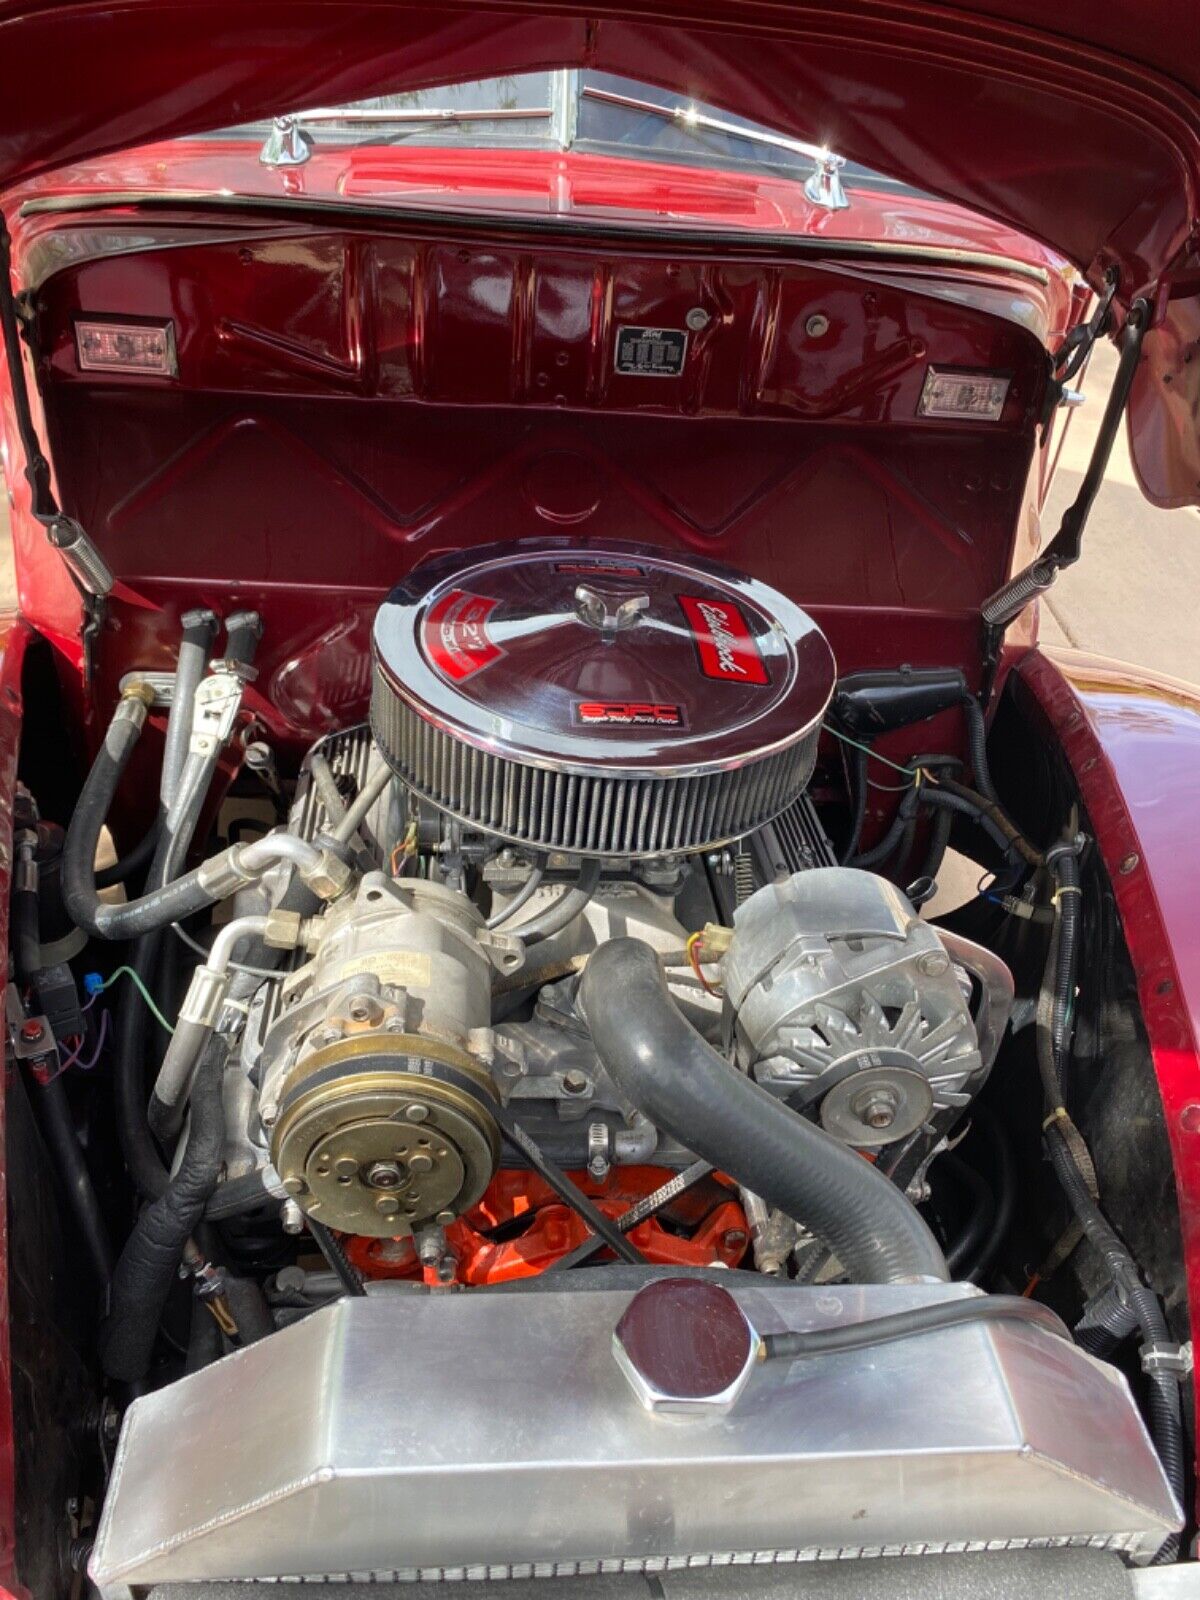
(726, 647)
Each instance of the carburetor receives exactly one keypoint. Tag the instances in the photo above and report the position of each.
(375, 1086)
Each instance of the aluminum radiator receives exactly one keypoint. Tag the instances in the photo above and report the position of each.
(409, 1436)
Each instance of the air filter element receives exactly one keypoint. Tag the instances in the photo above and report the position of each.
(602, 701)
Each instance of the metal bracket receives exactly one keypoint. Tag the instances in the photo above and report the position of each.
(218, 700)
(1175, 1359)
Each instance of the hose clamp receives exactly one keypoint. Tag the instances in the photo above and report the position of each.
(1173, 1359)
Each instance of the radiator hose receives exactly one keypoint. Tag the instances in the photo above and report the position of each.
(659, 1062)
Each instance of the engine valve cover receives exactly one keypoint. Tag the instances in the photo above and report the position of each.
(603, 701)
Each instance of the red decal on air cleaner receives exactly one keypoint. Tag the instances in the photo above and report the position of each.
(628, 714)
(456, 635)
(724, 643)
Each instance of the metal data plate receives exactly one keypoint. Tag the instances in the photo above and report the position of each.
(494, 1434)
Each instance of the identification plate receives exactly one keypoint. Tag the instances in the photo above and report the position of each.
(651, 352)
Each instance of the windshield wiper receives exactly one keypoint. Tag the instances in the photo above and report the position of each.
(289, 143)
(824, 184)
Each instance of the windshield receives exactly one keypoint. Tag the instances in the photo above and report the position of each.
(591, 112)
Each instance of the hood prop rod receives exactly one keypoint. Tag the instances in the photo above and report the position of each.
(1063, 550)
(88, 569)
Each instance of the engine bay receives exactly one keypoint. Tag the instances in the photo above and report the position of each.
(560, 1013)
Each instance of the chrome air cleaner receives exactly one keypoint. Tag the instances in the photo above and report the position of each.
(600, 700)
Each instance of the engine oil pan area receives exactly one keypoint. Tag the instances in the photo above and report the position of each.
(419, 1415)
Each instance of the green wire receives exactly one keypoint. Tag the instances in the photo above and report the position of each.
(141, 989)
(909, 772)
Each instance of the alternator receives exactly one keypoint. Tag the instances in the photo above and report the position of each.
(846, 1004)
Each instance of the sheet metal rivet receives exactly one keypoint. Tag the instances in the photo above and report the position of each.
(1189, 1118)
(817, 325)
(1130, 861)
(416, 1113)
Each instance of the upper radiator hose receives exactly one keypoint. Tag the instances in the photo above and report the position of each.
(657, 1059)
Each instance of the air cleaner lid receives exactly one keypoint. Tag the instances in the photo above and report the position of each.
(601, 658)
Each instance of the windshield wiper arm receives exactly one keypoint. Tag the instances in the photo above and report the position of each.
(824, 184)
(289, 144)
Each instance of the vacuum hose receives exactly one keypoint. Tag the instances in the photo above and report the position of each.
(658, 1060)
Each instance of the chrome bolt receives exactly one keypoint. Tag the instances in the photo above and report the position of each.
(291, 1217)
(575, 1082)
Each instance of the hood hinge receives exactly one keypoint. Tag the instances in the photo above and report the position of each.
(1000, 608)
(88, 569)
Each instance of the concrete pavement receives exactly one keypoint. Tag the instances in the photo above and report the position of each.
(1134, 595)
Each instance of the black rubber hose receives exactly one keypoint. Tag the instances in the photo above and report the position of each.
(1004, 1187)
(858, 804)
(974, 1234)
(564, 910)
(130, 866)
(942, 799)
(908, 1324)
(58, 1130)
(977, 745)
(150, 1260)
(939, 841)
(880, 852)
(26, 942)
(523, 895)
(249, 1309)
(1105, 1325)
(199, 630)
(157, 908)
(660, 1063)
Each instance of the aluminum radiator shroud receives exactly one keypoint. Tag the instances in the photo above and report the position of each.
(494, 1434)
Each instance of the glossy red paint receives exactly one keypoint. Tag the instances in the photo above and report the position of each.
(540, 184)
(14, 636)
(353, 401)
(1133, 743)
(1083, 129)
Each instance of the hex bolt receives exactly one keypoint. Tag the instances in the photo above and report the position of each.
(933, 964)
(876, 1108)
(291, 1217)
(575, 1082)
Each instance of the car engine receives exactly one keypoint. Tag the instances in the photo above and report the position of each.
(589, 1086)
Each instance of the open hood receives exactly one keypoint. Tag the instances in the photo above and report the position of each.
(1083, 131)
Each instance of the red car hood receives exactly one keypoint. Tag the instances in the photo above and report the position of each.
(1079, 124)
